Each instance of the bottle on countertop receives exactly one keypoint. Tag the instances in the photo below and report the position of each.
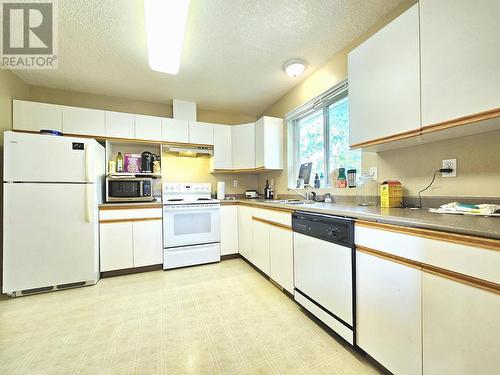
(316, 181)
(119, 163)
(341, 179)
(267, 190)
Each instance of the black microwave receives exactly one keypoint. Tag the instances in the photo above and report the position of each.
(129, 189)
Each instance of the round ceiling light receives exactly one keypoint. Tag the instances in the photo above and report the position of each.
(294, 67)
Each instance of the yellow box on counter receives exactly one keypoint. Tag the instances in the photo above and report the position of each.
(391, 194)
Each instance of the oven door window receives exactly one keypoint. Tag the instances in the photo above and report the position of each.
(192, 223)
(124, 189)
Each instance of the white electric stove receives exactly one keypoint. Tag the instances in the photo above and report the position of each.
(191, 225)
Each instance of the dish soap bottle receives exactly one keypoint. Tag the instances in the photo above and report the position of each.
(341, 179)
(317, 182)
(119, 163)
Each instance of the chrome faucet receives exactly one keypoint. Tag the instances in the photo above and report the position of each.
(306, 195)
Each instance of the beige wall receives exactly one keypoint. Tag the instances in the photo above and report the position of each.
(478, 161)
(185, 169)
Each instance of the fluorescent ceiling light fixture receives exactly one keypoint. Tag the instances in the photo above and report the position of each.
(165, 27)
(294, 67)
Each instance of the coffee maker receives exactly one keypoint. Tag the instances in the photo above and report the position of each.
(147, 159)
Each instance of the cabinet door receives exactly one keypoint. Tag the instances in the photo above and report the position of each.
(173, 130)
(281, 255)
(384, 81)
(201, 133)
(119, 125)
(83, 121)
(228, 230)
(245, 232)
(148, 128)
(460, 74)
(269, 143)
(243, 146)
(222, 147)
(388, 297)
(116, 246)
(460, 328)
(36, 116)
(260, 244)
(148, 247)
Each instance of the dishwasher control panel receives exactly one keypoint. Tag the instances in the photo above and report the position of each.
(328, 228)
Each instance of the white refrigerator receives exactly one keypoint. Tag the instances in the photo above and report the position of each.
(52, 188)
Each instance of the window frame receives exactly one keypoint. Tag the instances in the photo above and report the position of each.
(322, 102)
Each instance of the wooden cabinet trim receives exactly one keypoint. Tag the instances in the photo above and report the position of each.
(272, 223)
(438, 271)
(226, 203)
(481, 116)
(129, 207)
(391, 138)
(280, 209)
(110, 221)
(462, 239)
(460, 121)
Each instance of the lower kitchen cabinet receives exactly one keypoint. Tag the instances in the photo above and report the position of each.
(130, 238)
(245, 232)
(272, 243)
(260, 244)
(116, 246)
(281, 257)
(460, 328)
(147, 241)
(388, 297)
(228, 230)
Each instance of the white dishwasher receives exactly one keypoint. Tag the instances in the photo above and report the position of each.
(324, 270)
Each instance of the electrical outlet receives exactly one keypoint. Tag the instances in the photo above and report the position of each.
(374, 173)
(235, 183)
(450, 163)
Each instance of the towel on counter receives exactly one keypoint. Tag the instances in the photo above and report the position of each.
(484, 209)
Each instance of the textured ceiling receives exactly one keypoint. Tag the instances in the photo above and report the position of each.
(233, 52)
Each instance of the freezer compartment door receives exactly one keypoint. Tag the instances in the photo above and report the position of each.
(45, 158)
(50, 235)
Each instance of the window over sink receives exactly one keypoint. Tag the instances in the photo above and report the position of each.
(319, 133)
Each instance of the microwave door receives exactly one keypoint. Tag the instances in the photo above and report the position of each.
(191, 226)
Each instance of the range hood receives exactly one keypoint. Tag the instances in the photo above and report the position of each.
(187, 151)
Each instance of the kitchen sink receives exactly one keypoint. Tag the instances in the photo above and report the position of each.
(290, 201)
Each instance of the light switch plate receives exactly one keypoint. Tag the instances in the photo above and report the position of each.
(374, 173)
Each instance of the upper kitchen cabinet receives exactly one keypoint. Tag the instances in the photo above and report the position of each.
(384, 83)
(222, 147)
(148, 128)
(243, 146)
(175, 130)
(460, 52)
(33, 116)
(201, 133)
(269, 143)
(119, 125)
(83, 121)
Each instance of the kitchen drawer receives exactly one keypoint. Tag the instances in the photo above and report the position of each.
(133, 213)
(279, 217)
(459, 257)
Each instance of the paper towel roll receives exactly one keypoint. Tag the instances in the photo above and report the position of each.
(221, 190)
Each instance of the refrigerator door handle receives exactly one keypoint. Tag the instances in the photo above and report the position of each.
(89, 160)
(89, 202)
